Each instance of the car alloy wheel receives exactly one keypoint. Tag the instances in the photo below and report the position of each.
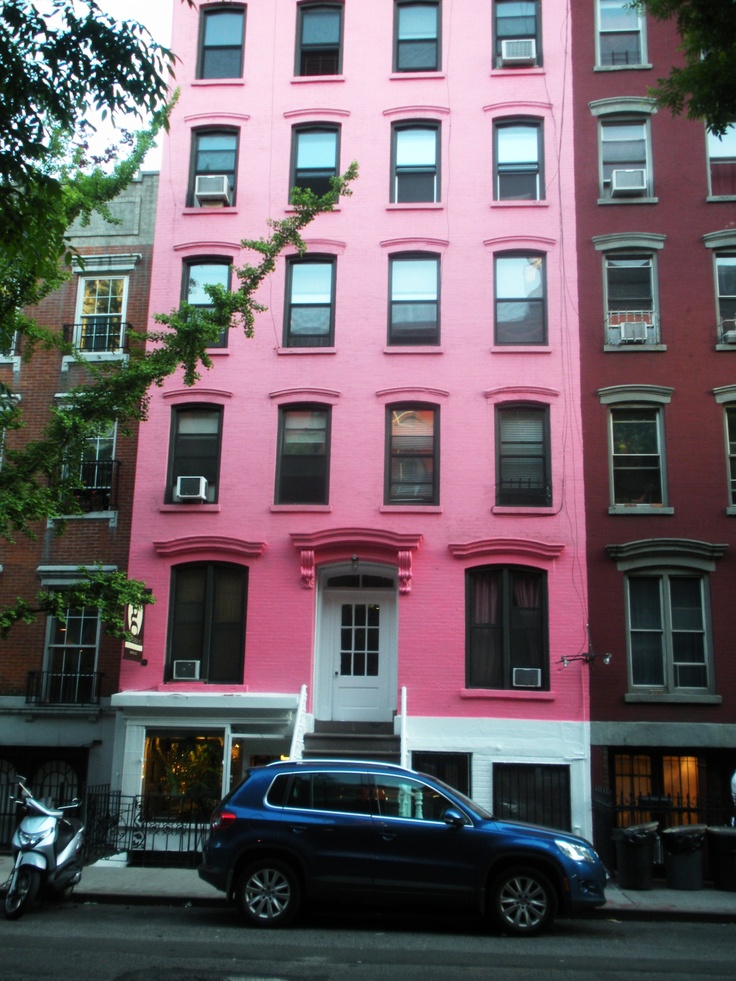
(523, 901)
(268, 893)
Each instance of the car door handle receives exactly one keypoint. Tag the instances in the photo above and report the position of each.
(298, 829)
(387, 836)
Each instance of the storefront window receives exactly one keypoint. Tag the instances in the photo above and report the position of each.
(182, 775)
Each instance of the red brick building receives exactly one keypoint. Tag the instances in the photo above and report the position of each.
(56, 725)
(656, 210)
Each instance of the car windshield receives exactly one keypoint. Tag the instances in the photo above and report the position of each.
(471, 805)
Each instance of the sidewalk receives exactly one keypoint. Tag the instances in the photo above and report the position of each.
(112, 881)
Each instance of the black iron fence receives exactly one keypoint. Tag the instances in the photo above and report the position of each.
(151, 829)
(611, 812)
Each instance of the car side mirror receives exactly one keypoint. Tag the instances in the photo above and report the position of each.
(453, 818)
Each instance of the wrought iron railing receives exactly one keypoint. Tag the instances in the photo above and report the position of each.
(63, 688)
(100, 490)
(151, 829)
(98, 335)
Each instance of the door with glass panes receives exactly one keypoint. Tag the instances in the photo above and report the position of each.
(357, 649)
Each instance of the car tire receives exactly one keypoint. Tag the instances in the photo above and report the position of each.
(523, 901)
(268, 893)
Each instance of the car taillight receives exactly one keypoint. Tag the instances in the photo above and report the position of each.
(221, 820)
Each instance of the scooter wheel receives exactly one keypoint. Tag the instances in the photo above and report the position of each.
(22, 892)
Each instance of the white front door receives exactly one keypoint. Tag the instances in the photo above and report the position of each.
(357, 657)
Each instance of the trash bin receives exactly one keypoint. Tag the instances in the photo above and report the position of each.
(635, 855)
(683, 856)
(722, 846)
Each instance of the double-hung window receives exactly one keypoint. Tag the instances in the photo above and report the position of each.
(71, 659)
(637, 456)
(731, 453)
(194, 454)
(412, 454)
(417, 36)
(98, 472)
(198, 275)
(523, 473)
(303, 469)
(100, 323)
(621, 39)
(310, 302)
(506, 638)
(221, 42)
(319, 39)
(414, 304)
(726, 286)
(517, 33)
(669, 646)
(625, 159)
(415, 170)
(214, 168)
(519, 154)
(207, 622)
(521, 306)
(315, 157)
(631, 308)
(722, 163)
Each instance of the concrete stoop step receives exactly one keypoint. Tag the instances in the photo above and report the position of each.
(353, 741)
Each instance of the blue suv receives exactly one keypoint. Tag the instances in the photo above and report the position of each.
(309, 830)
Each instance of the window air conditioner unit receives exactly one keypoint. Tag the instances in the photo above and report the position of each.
(625, 182)
(728, 332)
(634, 332)
(191, 488)
(186, 670)
(522, 51)
(209, 188)
(527, 677)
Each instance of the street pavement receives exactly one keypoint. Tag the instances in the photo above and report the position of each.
(114, 881)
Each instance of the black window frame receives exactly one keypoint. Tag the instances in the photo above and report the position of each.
(420, 333)
(538, 458)
(199, 639)
(207, 15)
(403, 45)
(196, 170)
(308, 55)
(510, 177)
(305, 339)
(319, 181)
(535, 328)
(317, 492)
(211, 260)
(206, 464)
(517, 35)
(408, 181)
(426, 491)
(512, 653)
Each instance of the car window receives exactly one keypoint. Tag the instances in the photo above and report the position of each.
(276, 795)
(342, 792)
(403, 797)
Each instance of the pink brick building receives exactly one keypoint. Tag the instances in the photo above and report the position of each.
(364, 527)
